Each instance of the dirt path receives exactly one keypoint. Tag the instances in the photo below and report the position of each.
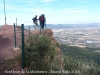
(7, 40)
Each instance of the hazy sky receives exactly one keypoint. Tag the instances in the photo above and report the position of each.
(56, 11)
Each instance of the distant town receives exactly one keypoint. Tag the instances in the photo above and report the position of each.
(85, 35)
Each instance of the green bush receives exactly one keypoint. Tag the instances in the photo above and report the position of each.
(39, 53)
(71, 64)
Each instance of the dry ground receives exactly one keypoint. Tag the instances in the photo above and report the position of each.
(7, 40)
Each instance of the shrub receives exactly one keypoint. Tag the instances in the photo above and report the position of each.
(39, 53)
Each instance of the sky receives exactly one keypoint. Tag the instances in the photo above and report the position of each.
(56, 11)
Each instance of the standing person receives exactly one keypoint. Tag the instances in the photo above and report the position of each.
(42, 21)
(35, 22)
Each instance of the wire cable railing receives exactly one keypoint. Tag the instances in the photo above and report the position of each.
(27, 23)
(23, 20)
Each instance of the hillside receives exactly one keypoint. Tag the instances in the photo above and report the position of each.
(7, 48)
(7, 40)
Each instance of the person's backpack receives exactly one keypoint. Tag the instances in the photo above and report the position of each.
(34, 19)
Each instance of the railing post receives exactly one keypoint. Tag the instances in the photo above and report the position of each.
(14, 34)
(23, 52)
(16, 21)
(29, 30)
(40, 31)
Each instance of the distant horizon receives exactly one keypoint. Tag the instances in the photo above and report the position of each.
(56, 24)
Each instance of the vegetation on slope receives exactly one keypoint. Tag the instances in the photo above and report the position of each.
(85, 60)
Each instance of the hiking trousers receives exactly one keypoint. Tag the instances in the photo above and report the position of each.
(42, 25)
(36, 26)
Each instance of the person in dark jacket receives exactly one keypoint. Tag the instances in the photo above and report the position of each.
(42, 21)
(35, 22)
